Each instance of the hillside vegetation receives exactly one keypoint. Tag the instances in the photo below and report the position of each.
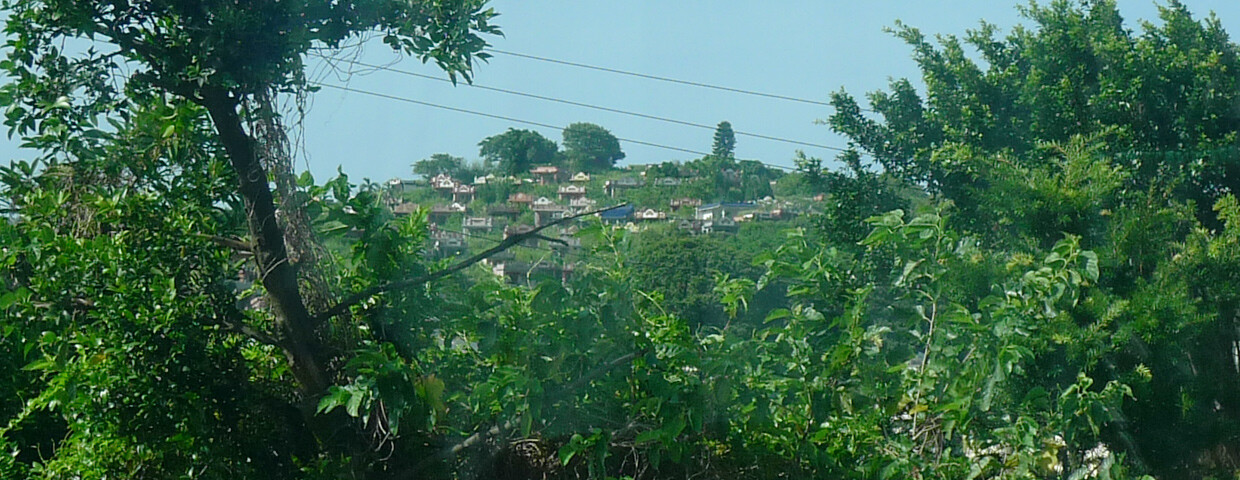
(1029, 269)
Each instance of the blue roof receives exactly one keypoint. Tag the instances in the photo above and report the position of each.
(618, 213)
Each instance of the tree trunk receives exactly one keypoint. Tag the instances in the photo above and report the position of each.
(277, 275)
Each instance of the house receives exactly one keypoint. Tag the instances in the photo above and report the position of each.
(547, 214)
(719, 225)
(580, 177)
(578, 205)
(622, 183)
(480, 224)
(569, 192)
(489, 178)
(546, 174)
(690, 226)
(676, 203)
(518, 230)
(448, 243)
(398, 186)
(511, 271)
(443, 183)
(542, 202)
(617, 216)
(650, 214)
(404, 209)
(523, 273)
(463, 193)
(667, 182)
(520, 199)
(503, 211)
(726, 209)
(440, 213)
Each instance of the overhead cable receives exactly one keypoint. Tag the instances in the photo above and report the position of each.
(590, 106)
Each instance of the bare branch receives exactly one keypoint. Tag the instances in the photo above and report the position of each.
(507, 243)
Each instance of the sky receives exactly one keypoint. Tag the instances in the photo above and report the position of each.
(802, 49)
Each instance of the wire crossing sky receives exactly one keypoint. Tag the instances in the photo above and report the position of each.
(755, 52)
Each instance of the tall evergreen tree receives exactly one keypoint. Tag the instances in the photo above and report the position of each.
(725, 141)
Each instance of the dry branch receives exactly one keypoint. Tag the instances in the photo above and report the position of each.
(507, 243)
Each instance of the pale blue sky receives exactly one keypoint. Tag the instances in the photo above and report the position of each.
(801, 49)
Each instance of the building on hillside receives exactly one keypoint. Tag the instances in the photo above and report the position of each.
(546, 174)
(726, 209)
(397, 186)
(570, 192)
(503, 211)
(676, 203)
(404, 209)
(666, 182)
(448, 243)
(463, 193)
(542, 202)
(512, 271)
(580, 177)
(719, 225)
(443, 183)
(578, 205)
(544, 214)
(478, 224)
(617, 216)
(621, 184)
(511, 230)
(649, 215)
(520, 199)
(689, 226)
(440, 213)
(483, 180)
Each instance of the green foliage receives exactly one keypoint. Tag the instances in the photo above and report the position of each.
(440, 163)
(516, 151)
(590, 148)
(724, 145)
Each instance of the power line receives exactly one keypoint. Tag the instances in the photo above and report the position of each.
(662, 79)
(515, 120)
(591, 106)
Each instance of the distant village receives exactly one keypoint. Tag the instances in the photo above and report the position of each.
(469, 215)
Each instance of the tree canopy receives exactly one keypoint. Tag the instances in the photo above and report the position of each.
(516, 151)
(590, 148)
(724, 145)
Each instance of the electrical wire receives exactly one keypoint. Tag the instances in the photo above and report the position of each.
(515, 120)
(661, 79)
(588, 105)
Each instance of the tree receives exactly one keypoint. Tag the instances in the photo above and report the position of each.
(1161, 98)
(725, 141)
(516, 151)
(590, 147)
(217, 60)
(439, 163)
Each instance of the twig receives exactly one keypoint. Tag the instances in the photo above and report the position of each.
(232, 243)
(507, 243)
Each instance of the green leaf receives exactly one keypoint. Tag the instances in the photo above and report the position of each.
(1091, 264)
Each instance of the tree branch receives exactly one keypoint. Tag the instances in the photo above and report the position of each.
(233, 243)
(507, 243)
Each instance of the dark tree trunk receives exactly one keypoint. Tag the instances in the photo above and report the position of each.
(277, 275)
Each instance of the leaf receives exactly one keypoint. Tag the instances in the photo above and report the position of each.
(1091, 264)
(355, 403)
(778, 314)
